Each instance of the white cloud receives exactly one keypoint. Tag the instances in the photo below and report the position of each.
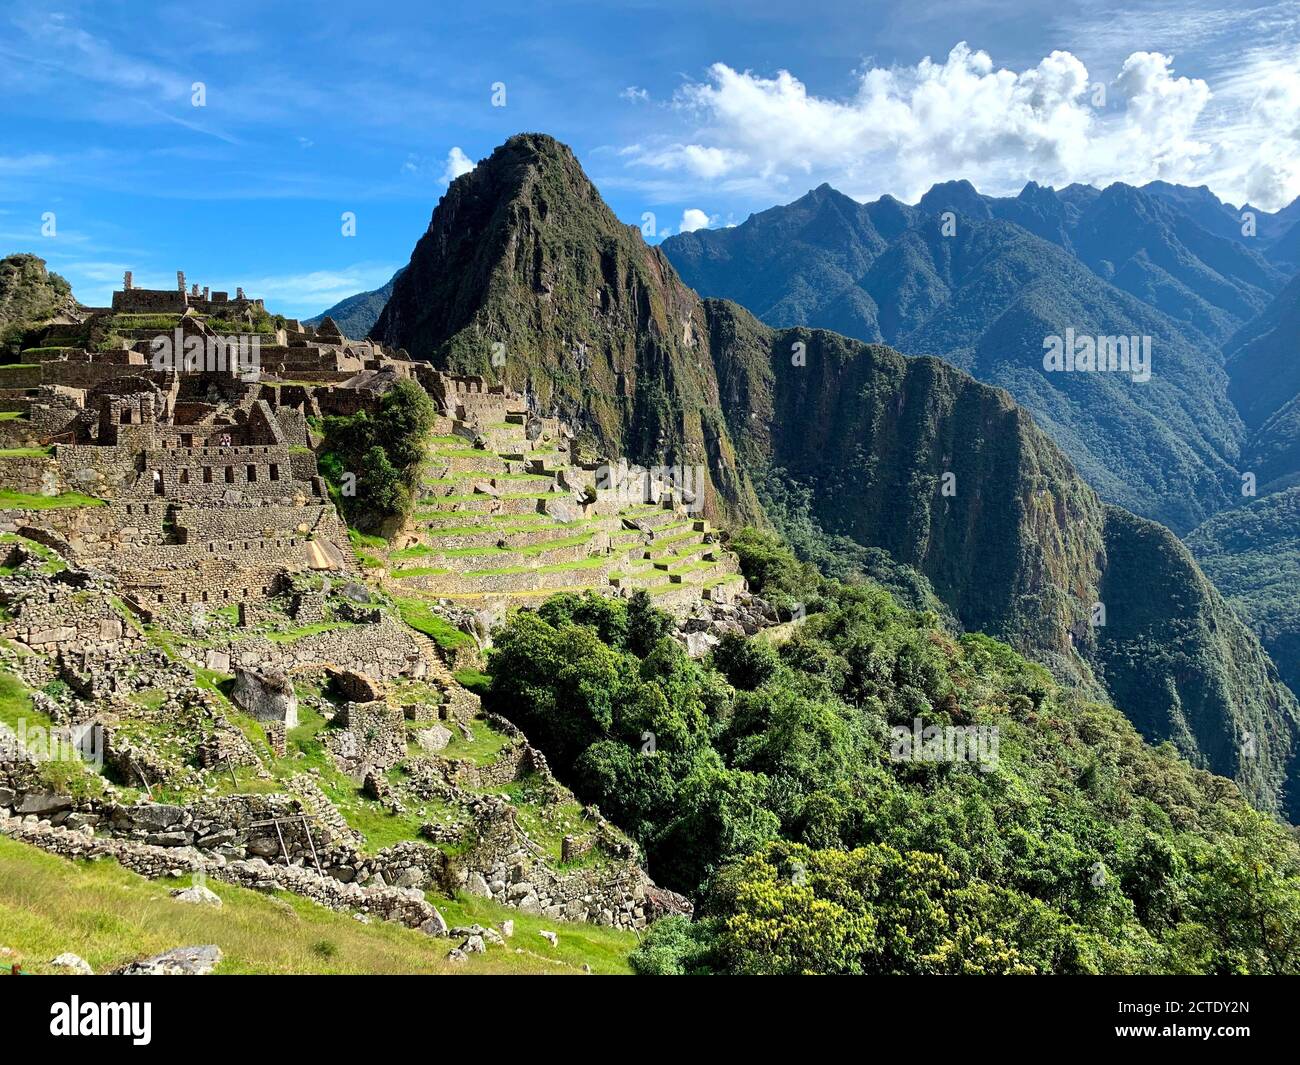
(692, 219)
(635, 94)
(904, 128)
(457, 163)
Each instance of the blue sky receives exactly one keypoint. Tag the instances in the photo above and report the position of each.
(697, 112)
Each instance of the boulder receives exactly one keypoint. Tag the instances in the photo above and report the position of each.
(698, 644)
(73, 964)
(42, 803)
(436, 925)
(433, 739)
(155, 817)
(198, 895)
(180, 961)
(559, 510)
(266, 695)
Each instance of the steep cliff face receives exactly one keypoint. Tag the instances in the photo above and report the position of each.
(1252, 554)
(910, 455)
(526, 276)
(1264, 375)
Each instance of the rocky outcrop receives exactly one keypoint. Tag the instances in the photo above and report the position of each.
(266, 695)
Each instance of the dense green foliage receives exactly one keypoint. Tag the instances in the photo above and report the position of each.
(1264, 369)
(1185, 667)
(761, 782)
(789, 506)
(383, 452)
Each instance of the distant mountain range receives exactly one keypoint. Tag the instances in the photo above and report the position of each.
(982, 281)
(525, 275)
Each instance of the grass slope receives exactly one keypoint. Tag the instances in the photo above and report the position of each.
(110, 916)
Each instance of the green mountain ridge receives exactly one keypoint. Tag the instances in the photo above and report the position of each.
(29, 293)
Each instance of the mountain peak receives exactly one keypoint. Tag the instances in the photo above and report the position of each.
(959, 196)
(526, 277)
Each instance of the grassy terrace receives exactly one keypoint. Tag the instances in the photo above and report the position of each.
(534, 549)
(51, 562)
(474, 475)
(25, 501)
(598, 562)
(460, 453)
(25, 452)
(110, 916)
(11, 415)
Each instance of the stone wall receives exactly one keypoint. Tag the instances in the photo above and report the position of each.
(383, 650)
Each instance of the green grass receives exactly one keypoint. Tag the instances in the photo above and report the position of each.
(24, 501)
(360, 539)
(24, 452)
(533, 549)
(461, 453)
(16, 704)
(418, 551)
(10, 415)
(150, 698)
(417, 614)
(109, 916)
(51, 562)
(145, 321)
(473, 679)
(487, 743)
(558, 567)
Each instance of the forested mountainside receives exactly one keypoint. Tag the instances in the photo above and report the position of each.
(1252, 553)
(523, 261)
(1263, 362)
(983, 287)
